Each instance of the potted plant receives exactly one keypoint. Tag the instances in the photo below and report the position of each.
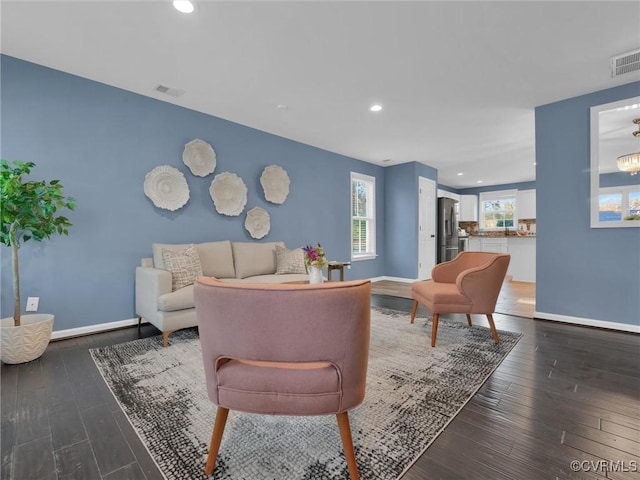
(29, 211)
(315, 260)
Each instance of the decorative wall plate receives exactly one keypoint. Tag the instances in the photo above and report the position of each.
(229, 194)
(166, 187)
(258, 222)
(275, 183)
(200, 157)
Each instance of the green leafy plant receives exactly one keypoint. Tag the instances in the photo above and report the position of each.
(634, 216)
(29, 211)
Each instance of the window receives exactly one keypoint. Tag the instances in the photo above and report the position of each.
(619, 203)
(498, 210)
(363, 216)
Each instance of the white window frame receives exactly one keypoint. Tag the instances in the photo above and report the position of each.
(370, 217)
(625, 191)
(497, 195)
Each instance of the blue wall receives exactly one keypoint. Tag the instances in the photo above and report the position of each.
(584, 272)
(496, 188)
(101, 141)
(618, 179)
(401, 214)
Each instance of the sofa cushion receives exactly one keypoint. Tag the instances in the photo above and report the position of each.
(216, 258)
(271, 278)
(289, 261)
(184, 266)
(178, 300)
(252, 258)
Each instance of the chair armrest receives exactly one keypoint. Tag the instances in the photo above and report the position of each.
(482, 284)
(151, 283)
(472, 282)
(447, 272)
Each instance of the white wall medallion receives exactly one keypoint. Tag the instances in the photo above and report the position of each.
(200, 157)
(229, 194)
(258, 222)
(166, 187)
(275, 183)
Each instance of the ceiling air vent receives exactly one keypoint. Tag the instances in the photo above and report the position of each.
(625, 63)
(173, 92)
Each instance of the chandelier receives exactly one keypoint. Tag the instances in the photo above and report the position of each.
(631, 162)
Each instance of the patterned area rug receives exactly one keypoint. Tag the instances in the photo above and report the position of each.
(413, 392)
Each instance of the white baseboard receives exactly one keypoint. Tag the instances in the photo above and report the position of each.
(101, 327)
(625, 327)
(394, 279)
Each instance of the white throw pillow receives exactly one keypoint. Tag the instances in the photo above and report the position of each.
(184, 266)
(289, 261)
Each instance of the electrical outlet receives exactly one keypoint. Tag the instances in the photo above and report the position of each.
(32, 304)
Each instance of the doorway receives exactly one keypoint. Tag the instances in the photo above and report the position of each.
(426, 227)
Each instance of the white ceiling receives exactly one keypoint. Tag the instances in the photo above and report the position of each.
(458, 80)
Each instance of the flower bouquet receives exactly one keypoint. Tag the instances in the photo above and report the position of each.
(314, 256)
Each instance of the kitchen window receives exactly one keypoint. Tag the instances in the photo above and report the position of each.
(498, 210)
(363, 216)
(619, 203)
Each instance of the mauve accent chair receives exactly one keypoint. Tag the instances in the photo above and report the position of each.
(281, 349)
(470, 283)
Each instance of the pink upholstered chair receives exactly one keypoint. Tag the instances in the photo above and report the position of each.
(470, 283)
(284, 350)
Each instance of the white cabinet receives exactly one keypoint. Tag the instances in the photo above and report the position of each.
(468, 208)
(526, 204)
(498, 245)
(445, 194)
(522, 266)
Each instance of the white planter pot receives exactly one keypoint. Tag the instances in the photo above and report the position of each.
(315, 275)
(28, 341)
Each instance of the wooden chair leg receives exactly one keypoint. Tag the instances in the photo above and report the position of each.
(347, 443)
(165, 339)
(469, 320)
(139, 321)
(494, 332)
(216, 439)
(434, 329)
(414, 310)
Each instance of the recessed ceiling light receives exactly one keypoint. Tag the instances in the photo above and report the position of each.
(479, 181)
(375, 108)
(281, 106)
(535, 163)
(460, 174)
(184, 6)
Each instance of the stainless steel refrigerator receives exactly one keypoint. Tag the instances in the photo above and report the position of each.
(447, 229)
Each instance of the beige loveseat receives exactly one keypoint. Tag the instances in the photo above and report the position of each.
(169, 308)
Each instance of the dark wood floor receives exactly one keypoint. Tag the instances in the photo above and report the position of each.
(565, 393)
(516, 298)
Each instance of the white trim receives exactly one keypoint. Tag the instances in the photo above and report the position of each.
(371, 217)
(594, 118)
(394, 279)
(625, 327)
(101, 327)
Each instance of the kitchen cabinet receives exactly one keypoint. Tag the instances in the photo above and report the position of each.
(522, 266)
(493, 244)
(526, 204)
(446, 194)
(468, 208)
